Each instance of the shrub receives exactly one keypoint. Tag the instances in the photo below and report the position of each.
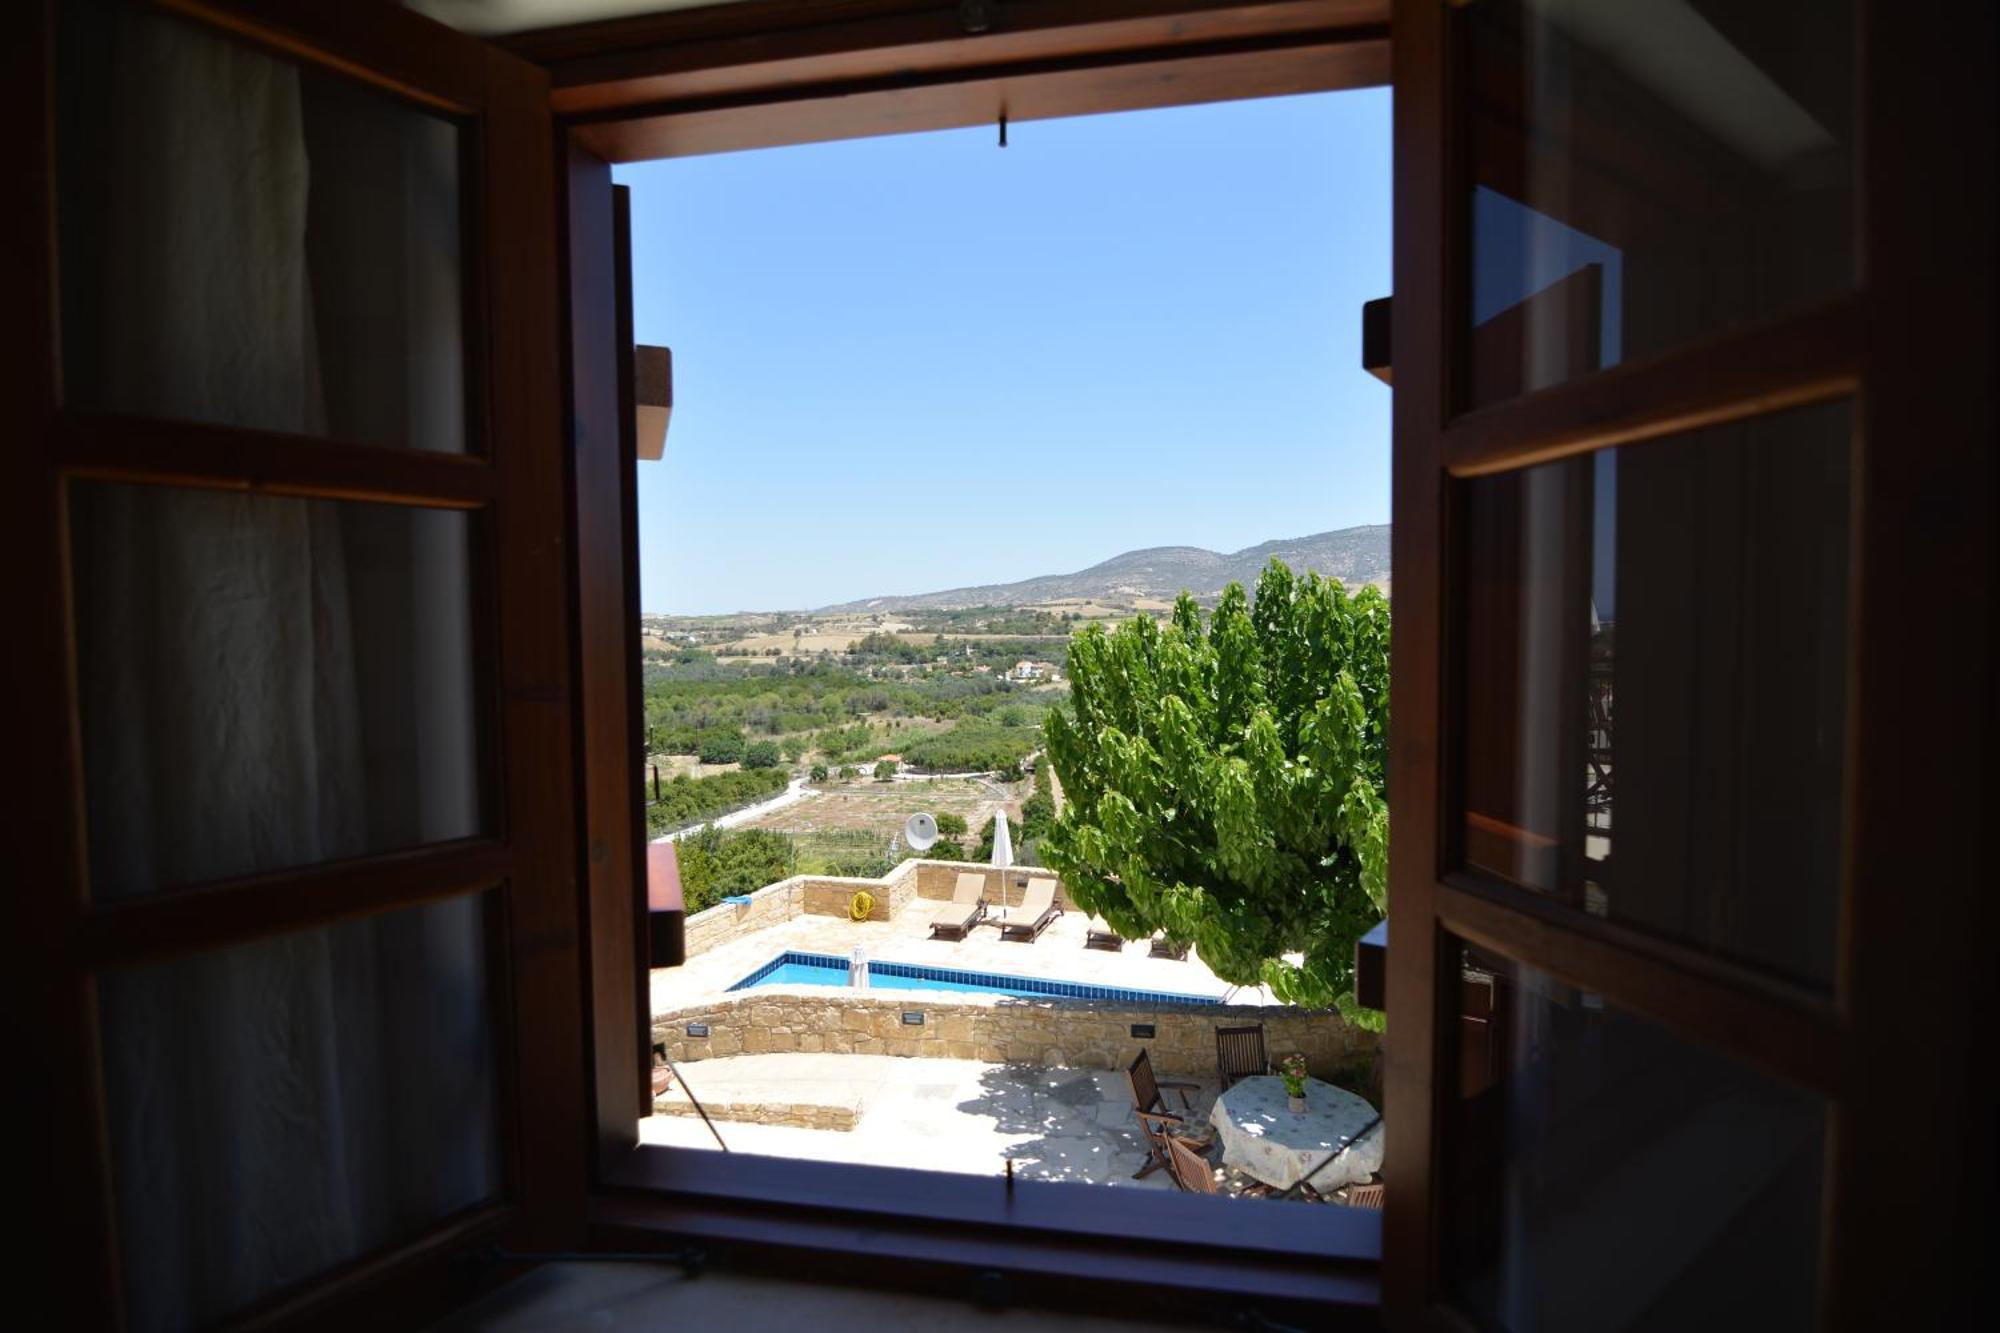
(688, 800)
(715, 863)
(818, 773)
(951, 825)
(721, 746)
(885, 770)
(761, 754)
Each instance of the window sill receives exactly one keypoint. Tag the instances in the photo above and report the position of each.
(1041, 1243)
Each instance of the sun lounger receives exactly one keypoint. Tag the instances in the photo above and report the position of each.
(966, 909)
(1165, 948)
(1099, 935)
(1038, 908)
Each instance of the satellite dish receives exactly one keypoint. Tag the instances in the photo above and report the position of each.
(920, 831)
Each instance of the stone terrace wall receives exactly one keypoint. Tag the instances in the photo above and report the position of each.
(829, 895)
(1049, 1033)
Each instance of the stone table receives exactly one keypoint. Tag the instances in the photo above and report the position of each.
(1337, 1138)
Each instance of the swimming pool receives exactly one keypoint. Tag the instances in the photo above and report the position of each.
(793, 968)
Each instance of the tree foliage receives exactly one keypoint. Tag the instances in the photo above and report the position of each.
(715, 863)
(685, 800)
(761, 754)
(1224, 783)
(721, 746)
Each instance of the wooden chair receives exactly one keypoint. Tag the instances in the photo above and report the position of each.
(1240, 1054)
(1193, 1172)
(1098, 934)
(1364, 1196)
(1038, 908)
(965, 910)
(1158, 1123)
(1162, 947)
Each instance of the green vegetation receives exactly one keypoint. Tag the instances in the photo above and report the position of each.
(721, 746)
(716, 863)
(687, 800)
(885, 771)
(1224, 782)
(951, 825)
(761, 754)
(971, 747)
(818, 773)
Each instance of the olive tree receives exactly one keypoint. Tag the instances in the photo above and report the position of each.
(1224, 782)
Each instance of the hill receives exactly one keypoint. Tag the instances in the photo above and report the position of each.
(1355, 556)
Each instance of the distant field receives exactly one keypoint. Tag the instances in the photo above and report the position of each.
(846, 818)
(886, 805)
(820, 641)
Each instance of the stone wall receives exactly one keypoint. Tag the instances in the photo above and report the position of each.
(829, 895)
(771, 905)
(1049, 1033)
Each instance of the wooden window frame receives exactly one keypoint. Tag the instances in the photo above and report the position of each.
(1903, 348)
(510, 475)
(765, 75)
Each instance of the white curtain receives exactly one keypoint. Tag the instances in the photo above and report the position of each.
(267, 682)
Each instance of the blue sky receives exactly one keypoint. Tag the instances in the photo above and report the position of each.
(912, 363)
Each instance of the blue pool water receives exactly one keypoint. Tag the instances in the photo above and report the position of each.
(792, 968)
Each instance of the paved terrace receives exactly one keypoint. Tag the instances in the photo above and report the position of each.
(905, 938)
(966, 1116)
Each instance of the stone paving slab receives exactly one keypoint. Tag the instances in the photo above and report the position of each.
(965, 1116)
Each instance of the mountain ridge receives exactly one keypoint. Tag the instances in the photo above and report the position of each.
(1355, 556)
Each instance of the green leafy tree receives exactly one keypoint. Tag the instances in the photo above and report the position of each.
(761, 754)
(721, 746)
(1224, 783)
(951, 825)
(715, 863)
(793, 748)
(818, 773)
(848, 773)
(885, 770)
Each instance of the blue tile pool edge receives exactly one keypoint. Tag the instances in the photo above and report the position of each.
(995, 981)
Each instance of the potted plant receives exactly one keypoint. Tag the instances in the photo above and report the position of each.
(1292, 1073)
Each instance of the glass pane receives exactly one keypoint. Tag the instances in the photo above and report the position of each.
(1602, 1173)
(1656, 633)
(268, 682)
(282, 1107)
(249, 242)
(1650, 172)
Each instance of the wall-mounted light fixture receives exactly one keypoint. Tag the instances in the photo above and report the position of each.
(652, 397)
(666, 912)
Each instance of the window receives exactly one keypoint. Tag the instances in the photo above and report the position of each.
(280, 481)
(1662, 477)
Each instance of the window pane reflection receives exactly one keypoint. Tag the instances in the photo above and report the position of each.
(280, 1108)
(1649, 172)
(1604, 1174)
(1654, 684)
(268, 682)
(249, 242)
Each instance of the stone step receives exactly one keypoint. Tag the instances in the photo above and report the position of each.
(760, 1092)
